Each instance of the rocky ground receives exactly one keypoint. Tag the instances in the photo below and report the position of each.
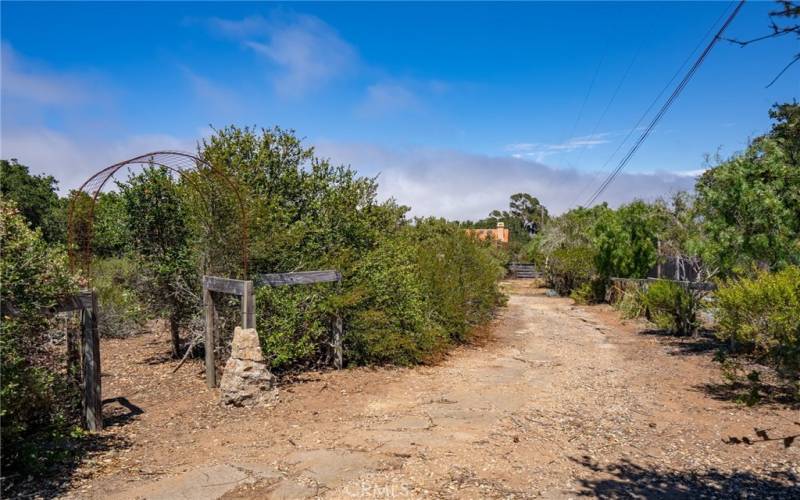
(562, 401)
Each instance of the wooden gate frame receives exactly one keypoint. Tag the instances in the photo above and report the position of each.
(245, 290)
(309, 278)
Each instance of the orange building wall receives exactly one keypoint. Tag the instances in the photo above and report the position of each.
(499, 234)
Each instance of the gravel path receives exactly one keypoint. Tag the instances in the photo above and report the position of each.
(562, 401)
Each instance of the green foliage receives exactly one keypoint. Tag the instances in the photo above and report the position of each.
(110, 234)
(36, 401)
(390, 321)
(763, 314)
(407, 290)
(671, 307)
(36, 199)
(631, 303)
(304, 212)
(568, 248)
(116, 282)
(459, 275)
(589, 292)
(294, 323)
(570, 268)
(751, 203)
(158, 227)
(626, 241)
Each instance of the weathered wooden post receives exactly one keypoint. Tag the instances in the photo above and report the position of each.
(248, 306)
(337, 342)
(210, 337)
(92, 391)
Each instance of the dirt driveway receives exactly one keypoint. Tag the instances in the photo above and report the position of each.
(565, 401)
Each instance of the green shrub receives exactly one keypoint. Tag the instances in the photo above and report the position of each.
(121, 312)
(632, 303)
(293, 323)
(569, 268)
(590, 292)
(763, 314)
(37, 401)
(389, 321)
(671, 307)
(459, 275)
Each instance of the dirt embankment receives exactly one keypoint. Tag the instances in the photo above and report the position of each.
(564, 401)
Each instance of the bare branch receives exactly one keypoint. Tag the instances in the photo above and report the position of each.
(796, 58)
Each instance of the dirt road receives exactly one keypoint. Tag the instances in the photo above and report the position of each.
(564, 401)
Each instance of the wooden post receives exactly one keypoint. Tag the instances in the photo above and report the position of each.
(92, 392)
(211, 370)
(73, 354)
(337, 342)
(248, 306)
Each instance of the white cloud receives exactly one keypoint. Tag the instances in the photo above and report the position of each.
(211, 93)
(71, 161)
(539, 151)
(459, 185)
(306, 52)
(24, 80)
(386, 98)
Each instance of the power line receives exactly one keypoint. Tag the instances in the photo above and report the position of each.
(657, 97)
(603, 115)
(665, 107)
(585, 99)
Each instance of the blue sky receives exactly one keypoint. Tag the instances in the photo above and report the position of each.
(457, 106)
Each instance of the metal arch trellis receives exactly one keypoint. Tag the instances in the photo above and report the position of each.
(175, 161)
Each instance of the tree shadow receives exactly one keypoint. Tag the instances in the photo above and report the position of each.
(629, 480)
(64, 456)
(766, 394)
(703, 343)
(116, 416)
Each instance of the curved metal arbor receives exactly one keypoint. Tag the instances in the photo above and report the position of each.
(175, 161)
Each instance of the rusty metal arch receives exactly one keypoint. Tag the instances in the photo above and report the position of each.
(175, 161)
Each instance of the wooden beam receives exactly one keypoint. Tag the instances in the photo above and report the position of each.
(248, 306)
(337, 342)
(92, 391)
(224, 285)
(210, 343)
(298, 278)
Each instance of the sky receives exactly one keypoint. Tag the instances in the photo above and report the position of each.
(455, 106)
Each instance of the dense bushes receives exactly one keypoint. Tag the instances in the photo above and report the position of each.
(672, 307)
(762, 314)
(37, 401)
(416, 291)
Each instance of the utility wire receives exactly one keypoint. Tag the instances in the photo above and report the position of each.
(655, 100)
(603, 115)
(665, 107)
(585, 99)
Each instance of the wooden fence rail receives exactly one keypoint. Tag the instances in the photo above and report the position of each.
(691, 285)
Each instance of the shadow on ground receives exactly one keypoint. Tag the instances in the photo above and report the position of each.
(53, 479)
(768, 394)
(629, 480)
(123, 412)
(703, 343)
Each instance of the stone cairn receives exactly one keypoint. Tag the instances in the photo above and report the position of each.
(246, 380)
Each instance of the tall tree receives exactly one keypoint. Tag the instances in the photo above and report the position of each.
(35, 197)
(157, 224)
(750, 204)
